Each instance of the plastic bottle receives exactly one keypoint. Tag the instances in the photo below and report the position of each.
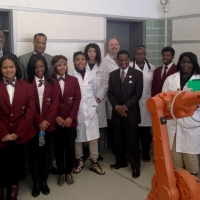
(41, 138)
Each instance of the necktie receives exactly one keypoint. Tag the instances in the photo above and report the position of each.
(61, 78)
(1, 54)
(10, 82)
(122, 76)
(164, 74)
(41, 82)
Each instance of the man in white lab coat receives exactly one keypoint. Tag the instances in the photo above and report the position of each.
(110, 64)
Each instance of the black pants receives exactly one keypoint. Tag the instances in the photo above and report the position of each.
(39, 157)
(64, 149)
(126, 142)
(110, 135)
(11, 158)
(145, 137)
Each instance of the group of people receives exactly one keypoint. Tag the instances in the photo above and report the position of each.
(40, 100)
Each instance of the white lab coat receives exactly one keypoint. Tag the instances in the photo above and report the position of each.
(101, 92)
(147, 82)
(187, 140)
(110, 66)
(87, 128)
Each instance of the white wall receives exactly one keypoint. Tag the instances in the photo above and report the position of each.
(127, 8)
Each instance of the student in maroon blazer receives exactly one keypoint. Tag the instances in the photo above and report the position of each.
(64, 138)
(160, 74)
(17, 110)
(46, 99)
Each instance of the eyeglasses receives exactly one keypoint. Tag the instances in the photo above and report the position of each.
(2, 36)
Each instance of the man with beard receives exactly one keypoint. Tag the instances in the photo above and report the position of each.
(110, 63)
(2, 42)
(162, 72)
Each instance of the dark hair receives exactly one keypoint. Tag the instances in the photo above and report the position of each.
(54, 60)
(193, 59)
(123, 52)
(98, 52)
(77, 54)
(39, 34)
(31, 68)
(144, 49)
(168, 49)
(14, 60)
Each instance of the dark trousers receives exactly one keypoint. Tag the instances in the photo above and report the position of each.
(64, 149)
(126, 142)
(145, 137)
(110, 135)
(39, 158)
(11, 158)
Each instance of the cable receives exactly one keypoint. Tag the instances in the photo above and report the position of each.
(144, 187)
(172, 106)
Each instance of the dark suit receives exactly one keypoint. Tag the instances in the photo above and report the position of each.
(125, 128)
(7, 53)
(17, 119)
(157, 83)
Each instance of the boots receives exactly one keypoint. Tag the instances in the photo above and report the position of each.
(12, 192)
(35, 176)
(1, 193)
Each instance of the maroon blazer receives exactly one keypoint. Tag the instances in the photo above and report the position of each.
(157, 83)
(17, 118)
(70, 100)
(49, 105)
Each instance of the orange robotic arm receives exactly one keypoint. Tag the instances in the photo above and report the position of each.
(169, 183)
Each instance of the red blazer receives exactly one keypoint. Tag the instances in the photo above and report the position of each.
(157, 83)
(70, 100)
(17, 118)
(49, 105)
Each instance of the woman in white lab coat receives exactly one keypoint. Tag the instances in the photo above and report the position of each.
(184, 142)
(93, 57)
(140, 63)
(87, 129)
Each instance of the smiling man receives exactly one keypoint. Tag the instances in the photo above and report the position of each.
(162, 72)
(39, 44)
(124, 92)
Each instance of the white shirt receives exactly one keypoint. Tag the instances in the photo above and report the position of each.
(125, 71)
(1, 53)
(10, 90)
(168, 67)
(61, 83)
(40, 92)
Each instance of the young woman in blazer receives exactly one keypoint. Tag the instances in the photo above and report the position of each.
(64, 138)
(87, 129)
(17, 110)
(93, 57)
(46, 99)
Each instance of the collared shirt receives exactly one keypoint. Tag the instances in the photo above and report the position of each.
(37, 53)
(10, 90)
(112, 57)
(61, 83)
(163, 68)
(1, 53)
(125, 71)
(40, 92)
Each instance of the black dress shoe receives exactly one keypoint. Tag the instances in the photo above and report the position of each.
(44, 188)
(136, 173)
(117, 166)
(36, 190)
(53, 171)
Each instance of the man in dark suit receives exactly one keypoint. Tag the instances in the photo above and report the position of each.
(39, 43)
(161, 73)
(2, 42)
(124, 92)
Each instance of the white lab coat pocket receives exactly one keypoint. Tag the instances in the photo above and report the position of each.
(91, 113)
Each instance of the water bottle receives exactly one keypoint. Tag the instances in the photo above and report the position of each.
(41, 138)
